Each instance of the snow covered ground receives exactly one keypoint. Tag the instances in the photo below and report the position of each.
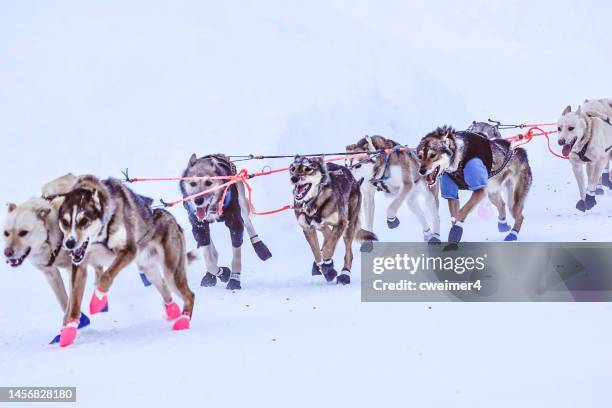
(101, 87)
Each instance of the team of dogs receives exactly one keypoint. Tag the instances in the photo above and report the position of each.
(82, 221)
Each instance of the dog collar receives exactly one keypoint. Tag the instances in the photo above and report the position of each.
(54, 253)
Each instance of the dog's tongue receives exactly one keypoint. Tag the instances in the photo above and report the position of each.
(201, 213)
(566, 150)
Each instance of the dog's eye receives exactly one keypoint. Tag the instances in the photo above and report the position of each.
(307, 169)
(84, 222)
(357, 166)
(22, 233)
(420, 156)
(65, 223)
(208, 183)
(193, 184)
(559, 128)
(570, 128)
(433, 155)
(6, 233)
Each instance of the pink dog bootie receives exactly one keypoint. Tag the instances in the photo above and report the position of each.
(182, 323)
(99, 302)
(172, 311)
(68, 333)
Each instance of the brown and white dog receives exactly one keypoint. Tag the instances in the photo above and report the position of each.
(105, 214)
(394, 172)
(586, 137)
(327, 198)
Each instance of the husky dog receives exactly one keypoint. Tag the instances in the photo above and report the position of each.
(465, 160)
(327, 198)
(107, 215)
(204, 209)
(586, 140)
(395, 172)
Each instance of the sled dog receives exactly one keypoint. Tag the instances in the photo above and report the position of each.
(586, 139)
(203, 210)
(106, 214)
(394, 172)
(601, 108)
(465, 160)
(327, 198)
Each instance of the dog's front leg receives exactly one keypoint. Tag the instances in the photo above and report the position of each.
(456, 231)
(261, 249)
(56, 282)
(313, 241)
(73, 312)
(392, 220)
(330, 241)
(578, 169)
(594, 171)
(99, 299)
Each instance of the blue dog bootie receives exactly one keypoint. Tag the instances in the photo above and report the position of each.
(502, 225)
(456, 232)
(512, 236)
(145, 280)
(590, 200)
(393, 222)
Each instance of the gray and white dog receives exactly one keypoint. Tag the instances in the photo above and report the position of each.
(202, 211)
(446, 152)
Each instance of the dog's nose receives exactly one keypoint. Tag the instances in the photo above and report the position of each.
(70, 243)
(8, 252)
(422, 171)
(295, 179)
(198, 200)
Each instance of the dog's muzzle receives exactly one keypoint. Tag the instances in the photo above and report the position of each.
(11, 260)
(77, 255)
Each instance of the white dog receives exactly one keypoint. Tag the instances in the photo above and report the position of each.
(587, 142)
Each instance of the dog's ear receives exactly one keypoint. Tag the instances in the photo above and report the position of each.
(193, 159)
(11, 207)
(567, 110)
(370, 143)
(95, 195)
(43, 213)
(579, 110)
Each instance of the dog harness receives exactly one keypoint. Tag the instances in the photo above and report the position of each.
(231, 212)
(477, 146)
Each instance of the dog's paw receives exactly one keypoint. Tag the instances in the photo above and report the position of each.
(393, 222)
(233, 284)
(590, 201)
(328, 271)
(68, 333)
(172, 311)
(182, 323)
(262, 250)
(605, 180)
(455, 233)
(98, 302)
(55, 340)
(84, 320)
(315, 269)
(503, 226)
(599, 190)
(145, 280)
(344, 278)
(366, 246)
(208, 280)
(581, 205)
(512, 236)
(434, 239)
(224, 274)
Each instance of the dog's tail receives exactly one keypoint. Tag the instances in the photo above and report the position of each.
(192, 256)
(365, 235)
